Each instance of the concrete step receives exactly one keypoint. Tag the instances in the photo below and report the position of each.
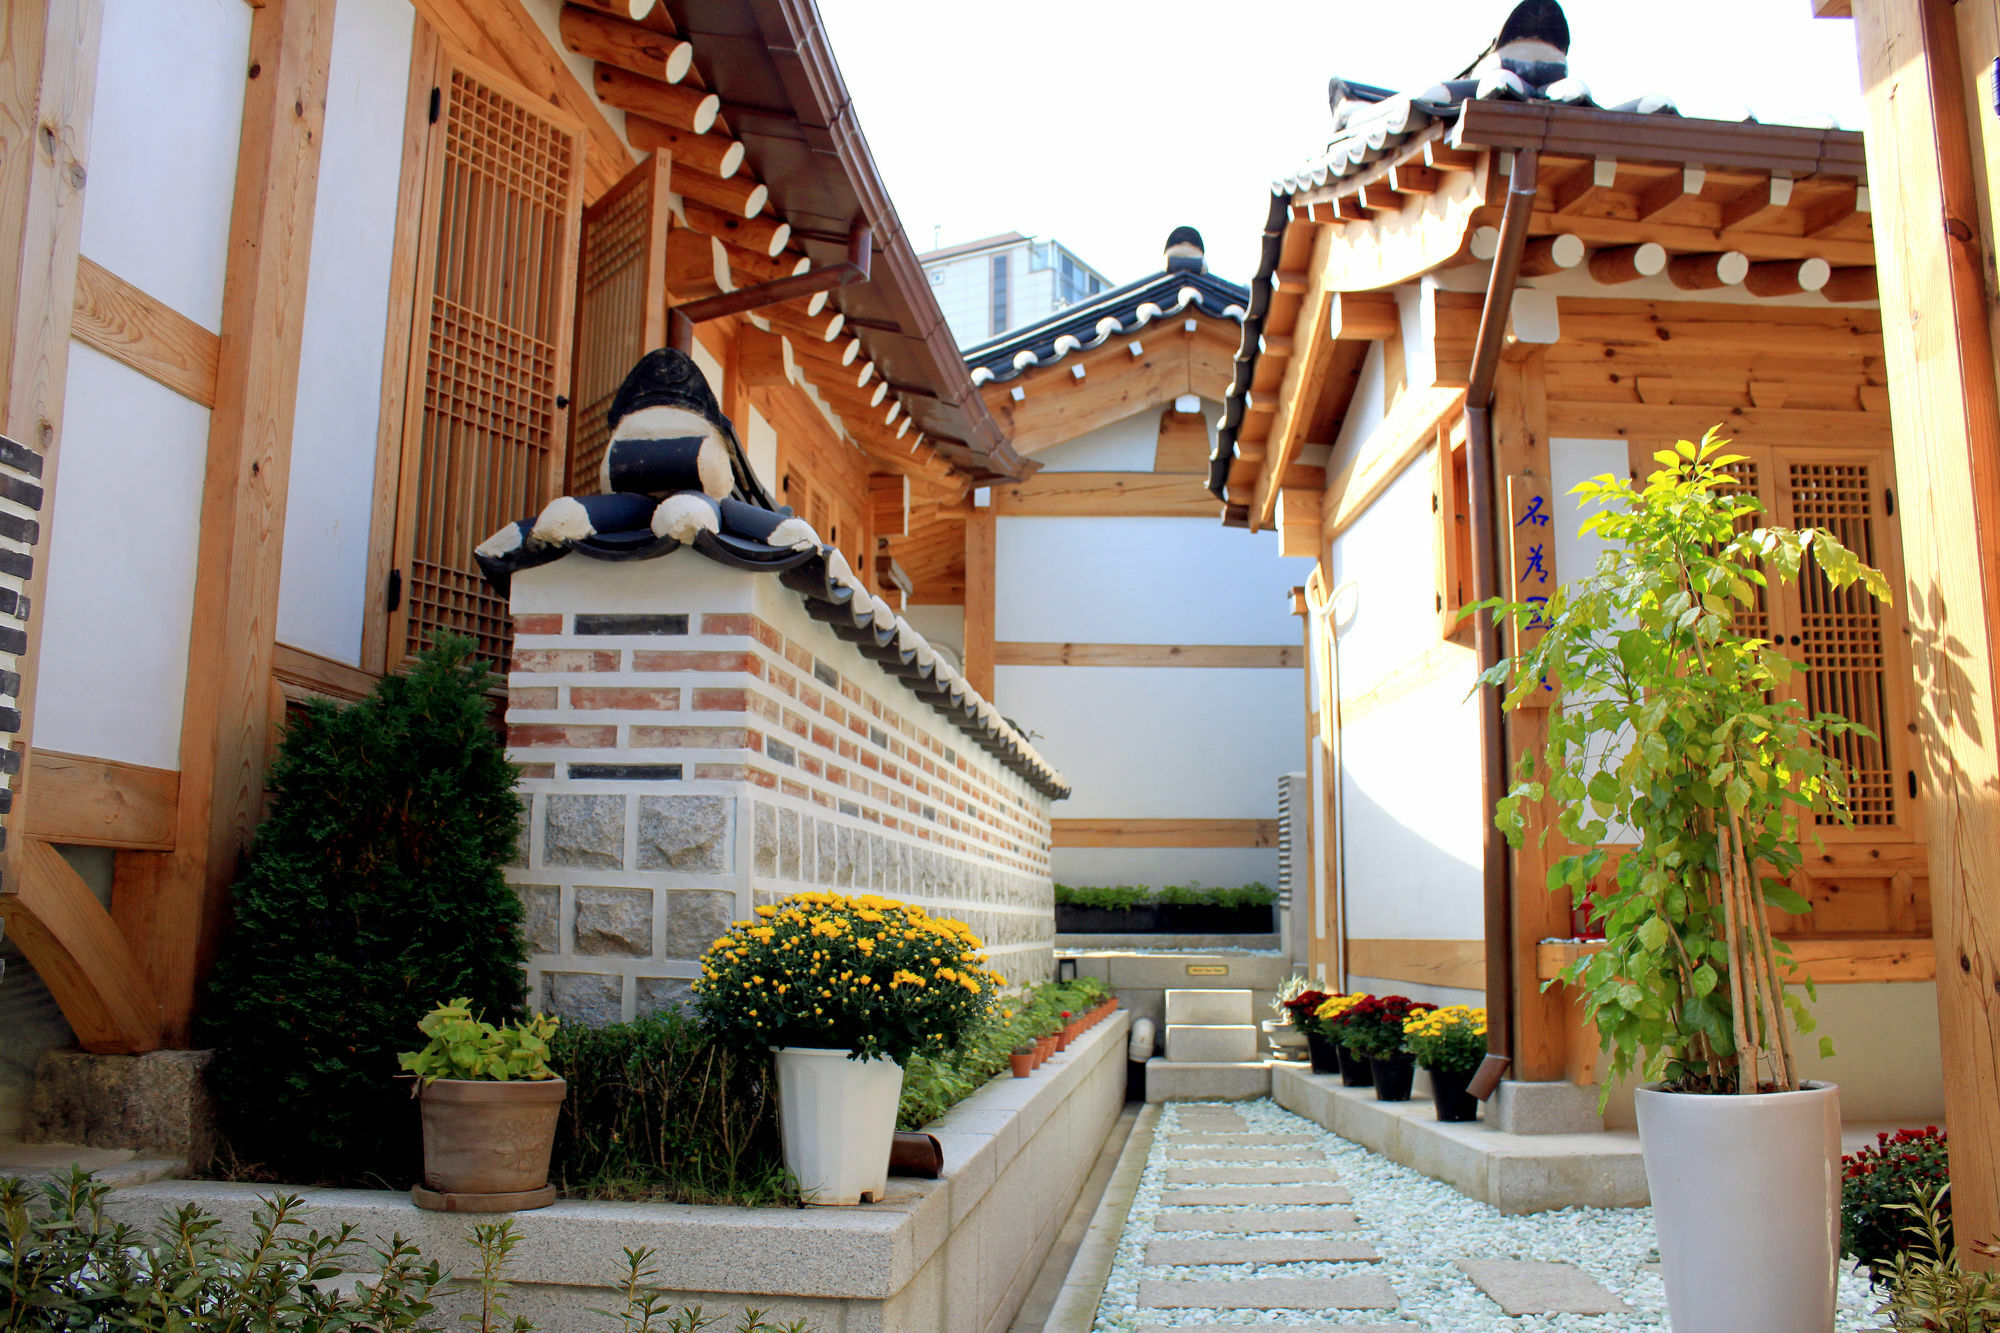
(1191, 1041)
(1210, 1008)
(1206, 1080)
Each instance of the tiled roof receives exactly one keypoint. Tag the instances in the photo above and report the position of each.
(1116, 313)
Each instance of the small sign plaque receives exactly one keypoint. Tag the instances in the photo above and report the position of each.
(1208, 969)
(1531, 554)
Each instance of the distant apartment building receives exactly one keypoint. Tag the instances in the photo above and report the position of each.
(1004, 282)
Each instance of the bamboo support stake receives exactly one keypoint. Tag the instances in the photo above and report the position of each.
(599, 36)
(1739, 970)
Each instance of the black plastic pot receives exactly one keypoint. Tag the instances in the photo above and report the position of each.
(1325, 1055)
(1453, 1101)
(1073, 920)
(1393, 1077)
(1209, 919)
(1354, 1069)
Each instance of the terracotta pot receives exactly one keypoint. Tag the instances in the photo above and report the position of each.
(1022, 1062)
(1063, 1036)
(486, 1137)
(1047, 1046)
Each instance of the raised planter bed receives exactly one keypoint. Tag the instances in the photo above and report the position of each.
(956, 1253)
(1165, 919)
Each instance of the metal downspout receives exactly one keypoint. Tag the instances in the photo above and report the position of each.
(1481, 482)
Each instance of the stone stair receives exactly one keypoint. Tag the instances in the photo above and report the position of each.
(1211, 1048)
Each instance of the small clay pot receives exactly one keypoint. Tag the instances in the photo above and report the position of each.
(1022, 1060)
(1063, 1036)
(487, 1137)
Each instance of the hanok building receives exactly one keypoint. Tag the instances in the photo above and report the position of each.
(1098, 600)
(1476, 297)
(308, 297)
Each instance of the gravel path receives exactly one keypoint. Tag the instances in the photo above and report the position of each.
(1579, 1258)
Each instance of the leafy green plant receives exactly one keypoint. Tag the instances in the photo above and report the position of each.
(1104, 898)
(463, 1046)
(1677, 724)
(659, 1110)
(1929, 1285)
(1878, 1185)
(66, 1266)
(933, 1085)
(648, 1307)
(374, 886)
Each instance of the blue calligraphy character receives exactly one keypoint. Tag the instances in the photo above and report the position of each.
(1534, 514)
(1536, 567)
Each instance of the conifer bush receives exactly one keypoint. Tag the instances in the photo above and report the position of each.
(373, 891)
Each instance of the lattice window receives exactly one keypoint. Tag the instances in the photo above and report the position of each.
(1841, 634)
(1755, 619)
(496, 277)
(620, 308)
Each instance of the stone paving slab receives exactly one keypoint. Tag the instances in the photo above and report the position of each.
(1288, 1328)
(1365, 1291)
(1183, 1139)
(1275, 1153)
(1187, 1251)
(1301, 1174)
(1526, 1286)
(1222, 1196)
(1323, 1219)
(1213, 1125)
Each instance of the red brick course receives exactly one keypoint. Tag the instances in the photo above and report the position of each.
(566, 659)
(651, 699)
(530, 734)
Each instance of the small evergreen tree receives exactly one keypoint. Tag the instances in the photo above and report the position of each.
(373, 891)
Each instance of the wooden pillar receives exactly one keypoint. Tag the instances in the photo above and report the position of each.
(979, 555)
(48, 80)
(225, 727)
(1928, 214)
(1541, 1019)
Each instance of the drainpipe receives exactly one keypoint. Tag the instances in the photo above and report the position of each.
(681, 319)
(1498, 863)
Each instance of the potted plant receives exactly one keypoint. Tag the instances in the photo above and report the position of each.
(1302, 1011)
(1678, 727)
(1285, 1035)
(1449, 1044)
(1022, 1060)
(843, 990)
(1355, 1071)
(1373, 1027)
(490, 1103)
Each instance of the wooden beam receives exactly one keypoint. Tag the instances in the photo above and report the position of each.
(1670, 191)
(1305, 375)
(1298, 521)
(763, 358)
(1701, 273)
(1830, 960)
(48, 82)
(1459, 964)
(144, 333)
(1759, 205)
(1852, 284)
(1403, 435)
(306, 675)
(980, 540)
(1587, 186)
(80, 954)
(646, 51)
(226, 718)
(717, 154)
(1601, 231)
(889, 496)
(102, 803)
(1165, 832)
(1363, 317)
(1628, 263)
(1946, 407)
(1445, 661)
(1231, 657)
(1104, 495)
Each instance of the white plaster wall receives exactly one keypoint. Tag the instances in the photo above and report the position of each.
(1412, 821)
(1570, 463)
(760, 445)
(1364, 413)
(121, 563)
(1126, 445)
(164, 129)
(1160, 742)
(1143, 580)
(322, 592)
(944, 626)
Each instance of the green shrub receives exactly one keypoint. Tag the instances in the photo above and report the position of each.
(1125, 897)
(1878, 1186)
(1104, 898)
(1929, 1285)
(658, 1110)
(933, 1085)
(374, 887)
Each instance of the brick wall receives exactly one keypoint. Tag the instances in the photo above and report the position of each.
(693, 743)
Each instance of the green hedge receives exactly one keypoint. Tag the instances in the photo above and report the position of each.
(933, 1086)
(1125, 897)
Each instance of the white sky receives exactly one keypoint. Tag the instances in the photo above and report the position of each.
(1106, 123)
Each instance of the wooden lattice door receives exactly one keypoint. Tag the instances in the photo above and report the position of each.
(485, 432)
(621, 307)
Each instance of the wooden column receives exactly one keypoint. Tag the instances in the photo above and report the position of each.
(1542, 1019)
(225, 728)
(48, 80)
(1928, 214)
(979, 549)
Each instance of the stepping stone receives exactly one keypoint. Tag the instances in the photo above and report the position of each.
(1199, 1140)
(1257, 1250)
(1364, 1291)
(1314, 1327)
(1276, 1153)
(1250, 1196)
(1527, 1286)
(1252, 1175)
(1321, 1219)
(1210, 1125)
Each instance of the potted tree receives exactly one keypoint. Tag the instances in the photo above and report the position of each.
(490, 1103)
(843, 990)
(1677, 733)
(1449, 1044)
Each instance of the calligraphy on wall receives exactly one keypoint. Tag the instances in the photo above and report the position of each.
(1531, 561)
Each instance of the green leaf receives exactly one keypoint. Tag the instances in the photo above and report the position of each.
(1653, 933)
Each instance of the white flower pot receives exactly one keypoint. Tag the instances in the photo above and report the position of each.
(838, 1120)
(1746, 1198)
(1283, 1034)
